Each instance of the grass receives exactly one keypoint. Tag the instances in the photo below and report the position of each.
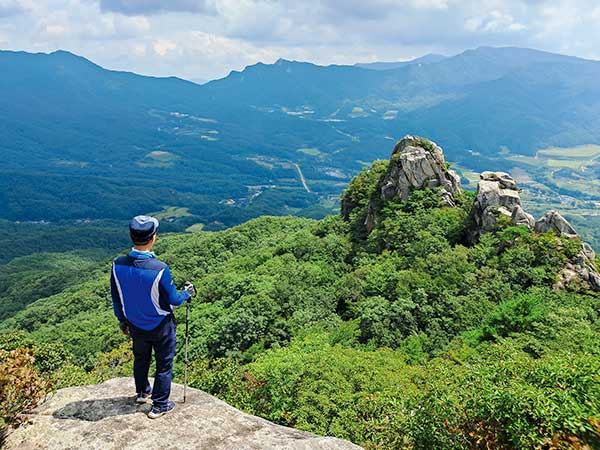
(158, 158)
(587, 152)
(171, 213)
(196, 228)
(311, 151)
(553, 163)
(529, 160)
(567, 163)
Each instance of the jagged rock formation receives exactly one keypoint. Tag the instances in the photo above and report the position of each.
(553, 221)
(416, 163)
(105, 417)
(521, 217)
(581, 269)
(497, 195)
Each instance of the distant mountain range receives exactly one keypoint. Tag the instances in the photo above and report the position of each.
(80, 141)
(426, 59)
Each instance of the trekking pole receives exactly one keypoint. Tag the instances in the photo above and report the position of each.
(185, 373)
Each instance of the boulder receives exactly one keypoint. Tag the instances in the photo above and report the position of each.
(503, 179)
(553, 221)
(521, 217)
(105, 417)
(497, 196)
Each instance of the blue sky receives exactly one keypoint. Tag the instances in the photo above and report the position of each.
(205, 39)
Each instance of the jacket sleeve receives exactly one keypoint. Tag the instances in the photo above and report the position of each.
(116, 297)
(168, 292)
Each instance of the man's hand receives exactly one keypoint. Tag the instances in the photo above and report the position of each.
(124, 328)
(190, 289)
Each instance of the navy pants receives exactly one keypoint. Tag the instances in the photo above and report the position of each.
(162, 339)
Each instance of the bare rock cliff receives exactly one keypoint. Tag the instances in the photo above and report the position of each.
(105, 417)
(416, 163)
(497, 196)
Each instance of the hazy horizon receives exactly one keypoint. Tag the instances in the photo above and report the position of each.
(323, 64)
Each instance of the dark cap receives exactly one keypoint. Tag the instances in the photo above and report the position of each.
(142, 228)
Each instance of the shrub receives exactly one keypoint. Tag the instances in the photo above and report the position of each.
(21, 388)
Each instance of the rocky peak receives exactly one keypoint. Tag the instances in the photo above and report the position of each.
(553, 221)
(497, 196)
(416, 163)
(581, 269)
(105, 416)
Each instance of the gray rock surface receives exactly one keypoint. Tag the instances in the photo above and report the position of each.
(521, 217)
(581, 270)
(497, 196)
(553, 221)
(105, 417)
(416, 163)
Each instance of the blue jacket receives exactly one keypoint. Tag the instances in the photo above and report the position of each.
(143, 292)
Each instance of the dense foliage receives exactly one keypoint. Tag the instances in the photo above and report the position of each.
(401, 338)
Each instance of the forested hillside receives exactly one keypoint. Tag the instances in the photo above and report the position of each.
(82, 142)
(392, 325)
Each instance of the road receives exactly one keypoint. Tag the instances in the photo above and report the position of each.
(302, 178)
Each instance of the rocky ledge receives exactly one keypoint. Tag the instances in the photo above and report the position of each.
(105, 417)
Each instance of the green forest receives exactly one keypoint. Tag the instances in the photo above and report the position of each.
(401, 337)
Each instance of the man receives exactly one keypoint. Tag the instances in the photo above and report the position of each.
(143, 297)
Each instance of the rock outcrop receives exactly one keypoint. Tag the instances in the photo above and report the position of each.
(581, 269)
(497, 195)
(553, 221)
(416, 163)
(105, 417)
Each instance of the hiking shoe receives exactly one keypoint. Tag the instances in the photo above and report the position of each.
(157, 412)
(143, 397)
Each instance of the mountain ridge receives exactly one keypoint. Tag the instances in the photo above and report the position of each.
(65, 117)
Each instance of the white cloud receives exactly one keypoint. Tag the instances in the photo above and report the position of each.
(113, 26)
(163, 46)
(493, 22)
